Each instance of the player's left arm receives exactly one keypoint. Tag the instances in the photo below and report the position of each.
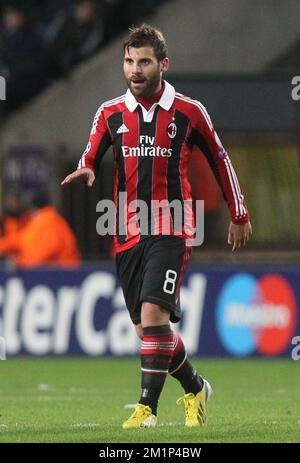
(239, 234)
(206, 138)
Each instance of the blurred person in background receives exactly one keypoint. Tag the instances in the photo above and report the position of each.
(153, 130)
(22, 60)
(79, 38)
(52, 18)
(45, 240)
(15, 218)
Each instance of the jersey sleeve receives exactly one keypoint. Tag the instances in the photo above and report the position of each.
(98, 144)
(206, 138)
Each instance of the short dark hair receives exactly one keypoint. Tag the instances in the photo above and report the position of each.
(144, 36)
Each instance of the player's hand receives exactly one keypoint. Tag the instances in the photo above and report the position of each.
(84, 175)
(238, 235)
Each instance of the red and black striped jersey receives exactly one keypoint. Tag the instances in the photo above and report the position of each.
(152, 150)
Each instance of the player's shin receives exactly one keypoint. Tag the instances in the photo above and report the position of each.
(156, 354)
(182, 370)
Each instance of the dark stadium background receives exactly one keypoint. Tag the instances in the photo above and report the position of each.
(241, 59)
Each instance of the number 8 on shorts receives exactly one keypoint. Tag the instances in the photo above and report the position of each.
(169, 284)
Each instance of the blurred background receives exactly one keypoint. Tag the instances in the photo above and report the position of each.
(61, 60)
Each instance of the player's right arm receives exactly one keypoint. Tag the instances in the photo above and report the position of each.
(84, 175)
(98, 143)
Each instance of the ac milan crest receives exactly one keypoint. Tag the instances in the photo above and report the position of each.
(172, 130)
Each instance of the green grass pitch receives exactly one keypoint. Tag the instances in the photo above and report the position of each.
(83, 400)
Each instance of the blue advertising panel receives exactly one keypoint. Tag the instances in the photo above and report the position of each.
(226, 311)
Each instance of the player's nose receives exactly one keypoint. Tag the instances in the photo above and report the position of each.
(136, 69)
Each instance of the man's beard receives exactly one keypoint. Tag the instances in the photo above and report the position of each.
(150, 86)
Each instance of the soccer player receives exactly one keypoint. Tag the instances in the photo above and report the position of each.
(152, 129)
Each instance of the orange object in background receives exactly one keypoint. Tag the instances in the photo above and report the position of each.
(14, 224)
(46, 239)
(11, 227)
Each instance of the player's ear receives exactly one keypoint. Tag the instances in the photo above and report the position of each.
(165, 64)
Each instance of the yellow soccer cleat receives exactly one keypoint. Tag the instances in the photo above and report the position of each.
(195, 406)
(142, 417)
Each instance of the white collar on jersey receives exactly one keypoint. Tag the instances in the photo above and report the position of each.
(166, 100)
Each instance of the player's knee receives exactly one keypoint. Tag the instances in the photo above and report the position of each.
(139, 331)
(153, 314)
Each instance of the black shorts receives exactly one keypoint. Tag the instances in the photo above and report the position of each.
(152, 271)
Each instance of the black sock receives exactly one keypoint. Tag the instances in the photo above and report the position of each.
(182, 370)
(156, 355)
(150, 396)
